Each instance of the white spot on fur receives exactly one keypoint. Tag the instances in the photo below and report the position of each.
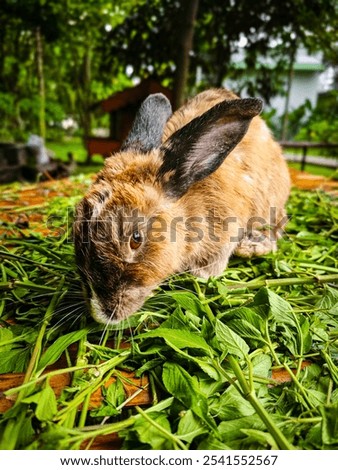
(238, 157)
(265, 132)
(248, 179)
(98, 206)
(98, 202)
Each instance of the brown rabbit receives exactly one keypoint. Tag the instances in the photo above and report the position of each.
(186, 192)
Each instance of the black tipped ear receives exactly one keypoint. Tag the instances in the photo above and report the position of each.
(200, 147)
(147, 130)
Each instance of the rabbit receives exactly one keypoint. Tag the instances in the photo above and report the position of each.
(186, 192)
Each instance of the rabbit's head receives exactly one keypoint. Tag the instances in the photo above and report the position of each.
(129, 229)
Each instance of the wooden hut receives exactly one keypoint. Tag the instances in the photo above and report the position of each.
(122, 107)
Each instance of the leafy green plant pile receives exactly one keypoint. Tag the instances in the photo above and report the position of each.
(211, 348)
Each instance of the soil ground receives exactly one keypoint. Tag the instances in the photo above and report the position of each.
(33, 198)
(25, 207)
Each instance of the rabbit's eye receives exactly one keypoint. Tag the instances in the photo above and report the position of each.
(136, 240)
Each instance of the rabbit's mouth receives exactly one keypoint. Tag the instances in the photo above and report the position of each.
(113, 311)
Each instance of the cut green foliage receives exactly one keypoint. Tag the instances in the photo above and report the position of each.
(211, 349)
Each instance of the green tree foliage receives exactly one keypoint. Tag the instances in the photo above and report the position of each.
(86, 47)
(321, 123)
(148, 39)
(71, 35)
(21, 60)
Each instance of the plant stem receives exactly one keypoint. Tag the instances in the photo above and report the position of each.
(320, 267)
(270, 345)
(33, 363)
(290, 281)
(94, 385)
(13, 427)
(55, 267)
(202, 298)
(103, 430)
(300, 387)
(28, 285)
(131, 397)
(84, 411)
(80, 360)
(249, 394)
(53, 373)
(80, 435)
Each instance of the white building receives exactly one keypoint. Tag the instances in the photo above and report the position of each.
(306, 82)
(309, 78)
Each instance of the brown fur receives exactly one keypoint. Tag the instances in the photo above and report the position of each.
(252, 180)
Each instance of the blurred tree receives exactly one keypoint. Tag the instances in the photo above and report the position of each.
(28, 27)
(149, 40)
(185, 34)
(49, 49)
(69, 54)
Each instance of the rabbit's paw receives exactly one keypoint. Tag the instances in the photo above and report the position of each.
(256, 244)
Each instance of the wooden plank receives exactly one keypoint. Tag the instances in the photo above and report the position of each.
(307, 144)
(102, 146)
(135, 388)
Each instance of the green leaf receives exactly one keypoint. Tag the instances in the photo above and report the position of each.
(180, 339)
(230, 340)
(307, 235)
(222, 289)
(231, 405)
(151, 435)
(333, 369)
(104, 410)
(330, 424)
(185, 388)
(162, 405)
(16, 427)
(276, 306)
(149, 365)
(6, 335)
(16, 334)
(115, 394)
(263, 438)
(261, 365)
(188, 301)
(190, 427)
(212, 443)
(234, 429)
(47, 406)
(329, 300)
(316, 397)
(15, 360)
(206, 365)
(245, 329)
(177, 320)
(53, 353)
(290, 338)
(306, 334)
(249, 315)
(27, 433)
(46, 403)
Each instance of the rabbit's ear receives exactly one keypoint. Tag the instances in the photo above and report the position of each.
(200, 147)
(147, 129)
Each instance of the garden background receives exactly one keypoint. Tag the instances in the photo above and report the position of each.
(247, 360)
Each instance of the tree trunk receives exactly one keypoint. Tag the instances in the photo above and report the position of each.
(223, 58)
(86, 117)
(41, 81)
(285, 122)
(86, 93)
(184, 47)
